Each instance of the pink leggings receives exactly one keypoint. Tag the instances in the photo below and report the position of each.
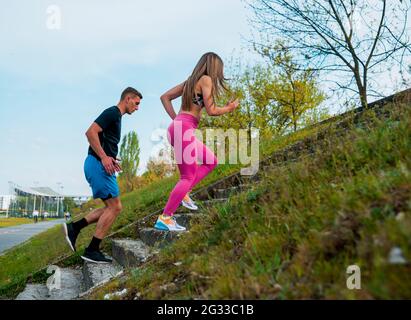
(187, 149)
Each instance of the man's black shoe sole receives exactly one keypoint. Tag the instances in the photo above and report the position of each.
(67, 237)
(95, 261)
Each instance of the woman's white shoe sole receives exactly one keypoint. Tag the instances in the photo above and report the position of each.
(171, 230)
(188, 206)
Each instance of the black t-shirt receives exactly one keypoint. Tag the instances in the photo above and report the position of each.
(110, 122)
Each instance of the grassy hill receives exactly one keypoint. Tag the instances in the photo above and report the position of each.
(293, 235)
(28, 261)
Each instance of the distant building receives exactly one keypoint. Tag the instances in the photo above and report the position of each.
(44, 199)
(79, 200)
(5, 201)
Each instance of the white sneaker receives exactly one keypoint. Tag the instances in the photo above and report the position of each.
(181, 228)
(189, 204)
(168, 224)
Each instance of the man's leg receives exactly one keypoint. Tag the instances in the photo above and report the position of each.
(105, 221)
(72, 230)
(91, 218)
(94, 215)
(111, 212)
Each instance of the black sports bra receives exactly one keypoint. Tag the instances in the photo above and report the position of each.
(199, 100)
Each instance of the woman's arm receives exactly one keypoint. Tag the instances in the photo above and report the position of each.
(170, 95)
(206, 85)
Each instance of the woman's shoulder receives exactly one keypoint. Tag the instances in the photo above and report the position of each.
(205, 79)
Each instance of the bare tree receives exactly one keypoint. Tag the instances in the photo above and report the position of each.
(353, 38)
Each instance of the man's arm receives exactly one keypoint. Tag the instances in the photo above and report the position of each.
(109, 164)
(93, 139)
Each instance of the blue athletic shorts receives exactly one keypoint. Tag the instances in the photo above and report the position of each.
(103, 185)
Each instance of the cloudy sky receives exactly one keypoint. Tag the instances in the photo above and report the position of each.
(63, 62)
(55, 82)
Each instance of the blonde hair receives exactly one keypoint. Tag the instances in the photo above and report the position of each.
(210, 64)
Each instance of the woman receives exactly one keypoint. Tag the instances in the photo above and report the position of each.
(199, 91)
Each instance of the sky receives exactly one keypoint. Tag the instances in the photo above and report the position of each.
(57, 76)
(63, 62)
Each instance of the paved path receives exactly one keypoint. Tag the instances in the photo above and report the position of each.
(12, 236)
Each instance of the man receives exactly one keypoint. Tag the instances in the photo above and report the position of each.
(100, 167)
(35, 216)
(67, 215)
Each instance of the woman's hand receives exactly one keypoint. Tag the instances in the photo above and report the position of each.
(170, 95)
(232, 105)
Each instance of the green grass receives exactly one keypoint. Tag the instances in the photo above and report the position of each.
(19, 263)
(37, 253)
(9, 222)
(294, 235)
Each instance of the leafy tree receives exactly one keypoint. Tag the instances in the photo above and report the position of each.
(69, 204)
(273, 97)
(348, 41)
(130, 159)
(158, 168)
(296, 91)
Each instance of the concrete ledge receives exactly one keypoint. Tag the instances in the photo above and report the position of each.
(151, 236)
(70, 287)
(129, 253)
(95, 273)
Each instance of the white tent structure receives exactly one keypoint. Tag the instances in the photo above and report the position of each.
(41, 199)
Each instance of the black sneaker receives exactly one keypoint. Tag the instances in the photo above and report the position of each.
(71, 235)
(95, 256)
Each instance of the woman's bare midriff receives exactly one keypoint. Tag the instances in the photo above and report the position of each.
(193, 112)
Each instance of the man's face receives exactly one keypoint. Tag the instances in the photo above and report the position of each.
(132, 104)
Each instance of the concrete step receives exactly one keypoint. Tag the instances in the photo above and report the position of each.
(183, 210)
(187, 219)
(34, 292)
(227, 192)
(68, 285)
(249, 179)
(152, 237)
(227, 182)
(96, 274)
(129, 253)
(211, 202)
(267, 168)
